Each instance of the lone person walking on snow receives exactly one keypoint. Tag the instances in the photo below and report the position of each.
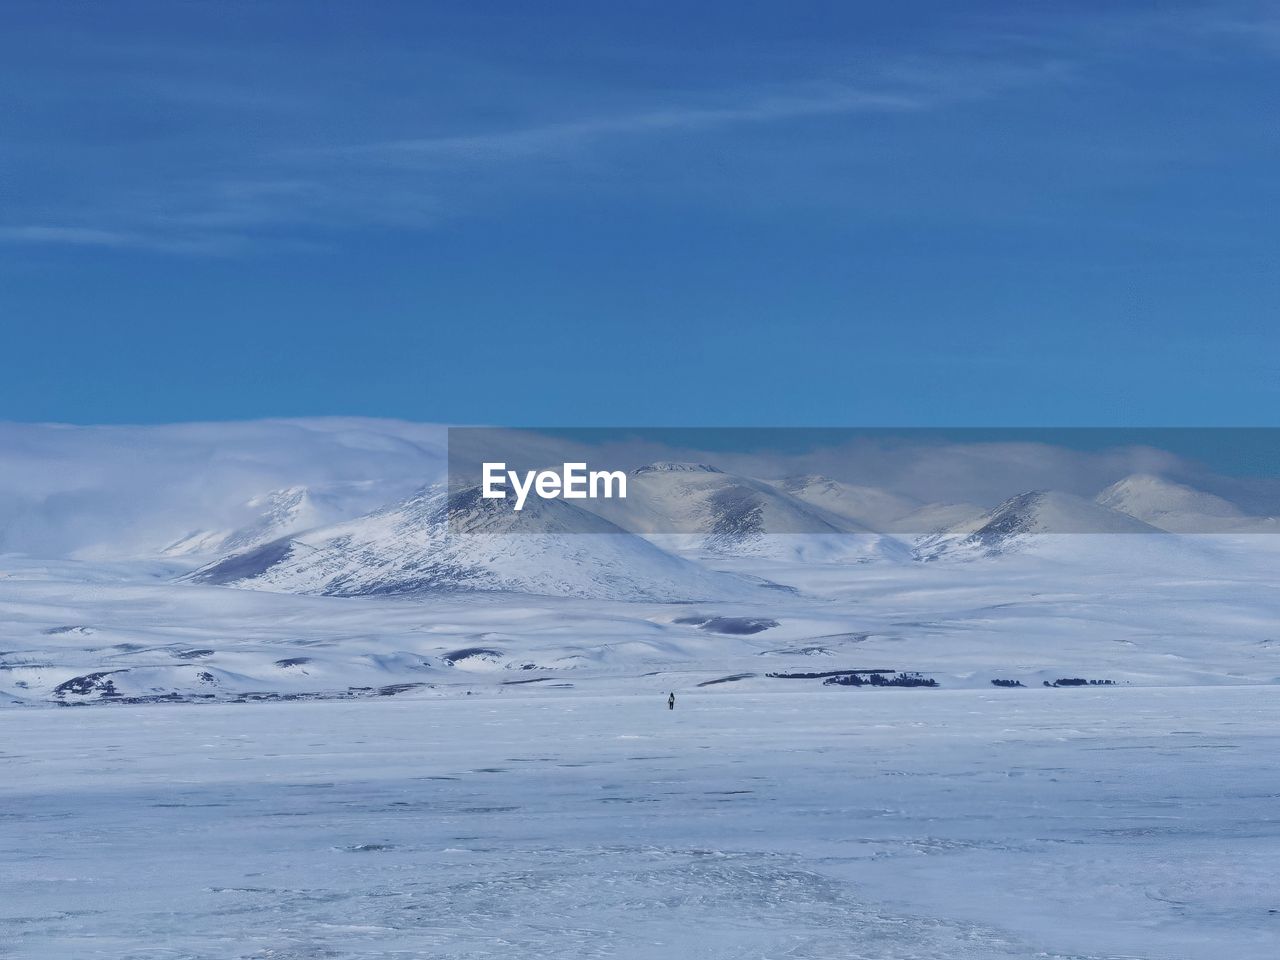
(671, 702)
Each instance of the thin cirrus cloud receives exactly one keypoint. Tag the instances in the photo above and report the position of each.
(71, 236)
(358, 185)
(557, 136)
(908, 87)
(156, 240)
(282, 193)
(284, 175)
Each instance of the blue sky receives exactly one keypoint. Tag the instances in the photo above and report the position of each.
(651, 213)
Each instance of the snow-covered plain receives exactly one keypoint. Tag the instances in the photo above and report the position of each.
(319, 711)
(496, 775)
(1096, 823)
(1137, 609)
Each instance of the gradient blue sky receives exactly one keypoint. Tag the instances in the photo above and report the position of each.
(663, 213)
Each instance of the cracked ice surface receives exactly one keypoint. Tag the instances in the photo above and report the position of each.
(1099, 823)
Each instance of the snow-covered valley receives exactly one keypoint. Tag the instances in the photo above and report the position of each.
(327, 707)
(1140, 610)
(819, 823)
(326, 559)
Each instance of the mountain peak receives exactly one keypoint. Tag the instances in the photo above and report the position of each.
(1166, 503)
(804, 481)
(1006, 527)
(450, 542)
(671, 466)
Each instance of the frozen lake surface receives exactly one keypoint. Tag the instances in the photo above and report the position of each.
(1088, 823)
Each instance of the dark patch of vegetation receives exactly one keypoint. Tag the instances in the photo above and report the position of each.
(738, 515)
(454, 656)
(391, 689)
(1079, 682)
(109, 695)
(880, 680)
(797, 652)
(87, 684)
(736, 626)
(769, 585)
(821, 674)
(293, 662)
(243, 566)
(731, 679)
(1007, 683)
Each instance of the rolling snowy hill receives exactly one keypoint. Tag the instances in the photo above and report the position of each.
(316, 559)
(435, 542)
(869, 507)
(877, 509)
(699, 509)
(194, 489)
(1015, 524)
(276, 514)
(1175, 506)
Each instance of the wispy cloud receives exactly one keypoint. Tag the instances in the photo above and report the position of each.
(70, 236)
(157, 240)
(382, 182)
(567, 134)
(1261, 31)
(284, 183)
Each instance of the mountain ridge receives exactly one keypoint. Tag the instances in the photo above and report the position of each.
(444, 542)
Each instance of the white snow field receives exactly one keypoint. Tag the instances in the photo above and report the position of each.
(1136, 609)
(1098, 823)
(272, 691)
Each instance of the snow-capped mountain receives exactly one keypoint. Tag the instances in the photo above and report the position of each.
(191, 490)
(276, 514)
(875, 508)
(305, 514)
(703, 509)
(869, 507)
(1011, 526)
(698, 498)
(933, 517)
(1171, 506)
(435, 543)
